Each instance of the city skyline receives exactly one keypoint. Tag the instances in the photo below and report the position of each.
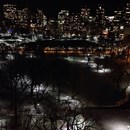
(51, 8)
(66, 24)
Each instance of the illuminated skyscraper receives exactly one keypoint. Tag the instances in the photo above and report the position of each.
(10, 12)
(63, 21)
(116, 27)
(41, 19)
(100, 16)
(75, 24)
(38, 20)
(85, 13)
(62, 15)
(117, 21)
(23, 17)
(52, 28)
(126, 18)
(84, 23)
(16, 16)
(127, 15)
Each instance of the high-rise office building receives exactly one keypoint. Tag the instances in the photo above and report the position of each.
(100, 15)
(63, 21)
(85, 17)
(85, 13)
(117, 21)
(62, 15)
(126, 15)
(15, 15)
(38, 20)
(23, 17)
(10, 12)
(41, 19)
(126, 19)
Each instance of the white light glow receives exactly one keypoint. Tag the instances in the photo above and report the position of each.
(92, 65)
(128, 89)
(116, 125)
(83, 61)
(10, 57)
(77, 60)
(102, 70)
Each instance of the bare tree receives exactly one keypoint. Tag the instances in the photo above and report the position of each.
(15, 88)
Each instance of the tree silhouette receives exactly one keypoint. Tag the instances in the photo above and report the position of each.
(15, 87)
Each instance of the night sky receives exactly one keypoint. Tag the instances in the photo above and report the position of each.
(52, 7)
